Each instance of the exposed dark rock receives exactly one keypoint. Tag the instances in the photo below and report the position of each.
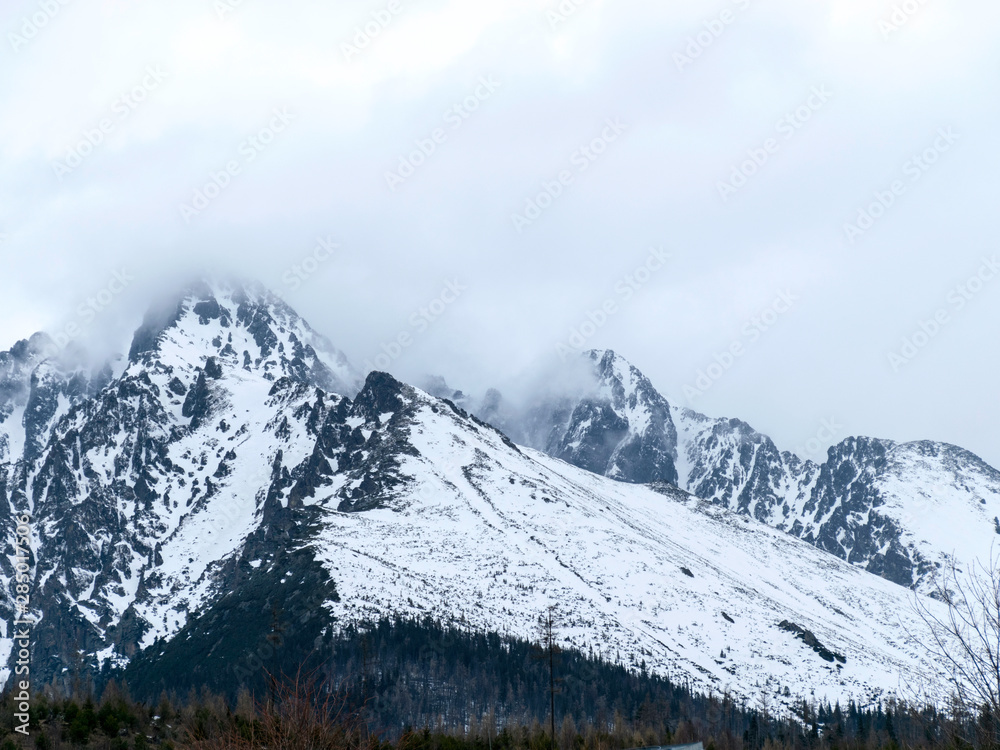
(807, 637)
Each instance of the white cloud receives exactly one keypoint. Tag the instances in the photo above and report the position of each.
(656, 185)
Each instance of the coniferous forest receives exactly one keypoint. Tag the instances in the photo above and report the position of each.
(418, 685)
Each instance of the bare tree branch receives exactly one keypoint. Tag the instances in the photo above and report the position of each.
(967, 639)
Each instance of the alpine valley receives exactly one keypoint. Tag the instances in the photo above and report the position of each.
(233, 461)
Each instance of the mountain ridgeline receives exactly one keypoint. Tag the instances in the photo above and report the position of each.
(900, 511)
(232, 488)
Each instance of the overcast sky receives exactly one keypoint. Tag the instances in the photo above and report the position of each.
(741, 138)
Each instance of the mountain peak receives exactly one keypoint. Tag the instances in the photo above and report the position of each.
(381, 394)
(242, 324)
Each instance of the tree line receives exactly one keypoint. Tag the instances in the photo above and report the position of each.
(406, 684)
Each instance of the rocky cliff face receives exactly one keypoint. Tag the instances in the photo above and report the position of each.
(38, 383)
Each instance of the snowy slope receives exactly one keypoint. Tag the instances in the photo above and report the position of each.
(901, 511)
(943, 498)
(490, 536)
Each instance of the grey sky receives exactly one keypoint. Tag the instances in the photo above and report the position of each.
(832, 105)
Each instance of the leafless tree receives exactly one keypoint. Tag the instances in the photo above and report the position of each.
(966, 640)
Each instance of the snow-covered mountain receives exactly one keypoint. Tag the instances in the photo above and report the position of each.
(111, 476)
(900, 511)
(238, 461)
